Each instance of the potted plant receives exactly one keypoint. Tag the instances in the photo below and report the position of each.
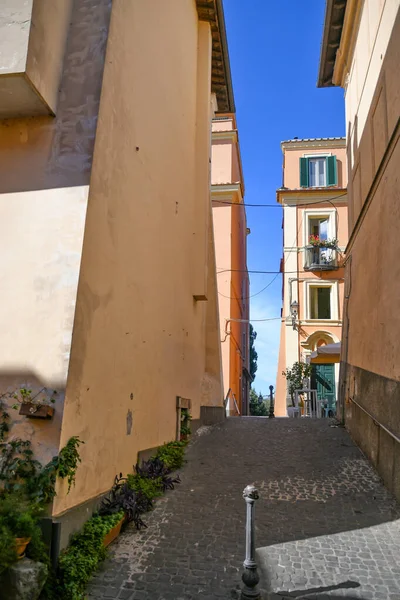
(37, 406)
(316, 242)
(17, 521)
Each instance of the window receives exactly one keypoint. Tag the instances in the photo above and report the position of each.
(318, 171)
(320, 302)
(319, 227)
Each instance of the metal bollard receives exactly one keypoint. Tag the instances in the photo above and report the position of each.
(271, 402)
(250, 575)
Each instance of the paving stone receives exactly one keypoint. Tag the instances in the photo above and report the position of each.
(326, 527)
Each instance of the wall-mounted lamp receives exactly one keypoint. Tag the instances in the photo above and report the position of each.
(294, 310)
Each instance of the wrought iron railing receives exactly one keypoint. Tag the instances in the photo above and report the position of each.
(320, 258)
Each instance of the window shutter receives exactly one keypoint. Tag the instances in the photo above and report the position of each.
(331, 170)
(303, 172)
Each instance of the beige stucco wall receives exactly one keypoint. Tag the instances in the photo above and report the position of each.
(45, 166)
(15, 21)
(33, 36)
(139, 336)
(370, 372)
(375, 28)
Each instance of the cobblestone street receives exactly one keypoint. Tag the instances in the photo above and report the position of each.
(325, 525)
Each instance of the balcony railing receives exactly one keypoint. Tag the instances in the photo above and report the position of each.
(319, 258)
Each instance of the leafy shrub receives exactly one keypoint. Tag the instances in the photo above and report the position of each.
(82, 557)
(8, 549)
(17, 516)
(155, 468)
(172, 454)
(123, 498)
(151, 488)
(19, 520)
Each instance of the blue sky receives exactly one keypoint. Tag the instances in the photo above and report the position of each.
(274, 50)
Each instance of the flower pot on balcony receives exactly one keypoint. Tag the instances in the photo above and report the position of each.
(36, 411)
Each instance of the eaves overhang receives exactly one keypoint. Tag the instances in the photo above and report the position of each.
(311, 196)
(212, 11)
(333, 25)
(227, 193)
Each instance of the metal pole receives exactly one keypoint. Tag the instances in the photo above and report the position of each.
(250, 575)
(271, 402)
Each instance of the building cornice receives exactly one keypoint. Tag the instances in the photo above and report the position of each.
(325, 143)
(311, 196)
(231, 193)
(229, 134)
(212, 11)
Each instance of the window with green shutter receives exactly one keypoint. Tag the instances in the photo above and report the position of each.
(331, 170)
(303, 172)
(318, 171)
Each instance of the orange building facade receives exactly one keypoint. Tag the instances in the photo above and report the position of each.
(314, 201)
(230, 234)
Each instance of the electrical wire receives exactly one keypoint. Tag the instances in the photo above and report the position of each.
(251, 295)
(277, 205)
(288, 253)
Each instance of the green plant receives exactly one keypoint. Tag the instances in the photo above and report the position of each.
(186, 417)
(258, 408)
(295, 376)
(80, 560)
(151, 488)
(68, 460)
(17, 515)
(172, 454)
(185, 430)
(18, 519)
(4, 419)
(8, 550)
(42, 397)
(19, 470)
(253, 353)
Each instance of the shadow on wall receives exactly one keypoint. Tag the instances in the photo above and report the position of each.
(45, 152)
(44, 434)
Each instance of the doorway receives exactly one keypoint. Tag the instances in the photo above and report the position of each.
(323, 380)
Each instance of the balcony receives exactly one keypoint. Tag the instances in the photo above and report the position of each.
(320, 258)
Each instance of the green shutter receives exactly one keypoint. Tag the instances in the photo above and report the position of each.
(303, 172)
(331, 170)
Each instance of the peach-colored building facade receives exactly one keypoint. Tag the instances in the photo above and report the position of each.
(361, 54)
(108, 272)
(230, 234)
(314, 201)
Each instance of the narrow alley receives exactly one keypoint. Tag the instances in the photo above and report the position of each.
(325, 525)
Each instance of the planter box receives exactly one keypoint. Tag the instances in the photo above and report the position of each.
(28, 409)
(113, 533)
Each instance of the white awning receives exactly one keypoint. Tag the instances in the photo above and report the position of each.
(327, 349)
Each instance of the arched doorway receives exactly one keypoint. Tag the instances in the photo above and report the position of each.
(324, 374)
